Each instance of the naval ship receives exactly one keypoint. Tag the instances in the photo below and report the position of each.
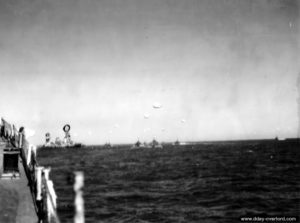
(65, 143)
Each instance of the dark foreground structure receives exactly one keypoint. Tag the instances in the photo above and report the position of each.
(26, 193)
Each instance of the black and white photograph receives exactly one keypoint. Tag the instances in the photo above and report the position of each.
(142, 111)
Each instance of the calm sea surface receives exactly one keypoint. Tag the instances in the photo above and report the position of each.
(218, 182)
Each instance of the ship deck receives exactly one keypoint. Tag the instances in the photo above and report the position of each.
(16, 202)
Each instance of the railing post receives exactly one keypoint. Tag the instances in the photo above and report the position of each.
(48, 205)
(79, 203)
(39, 183)
(34, 150)
(52, 192)
(45, 208)
(20, 140)
(51, 200)
(28, 160)
(46, 173)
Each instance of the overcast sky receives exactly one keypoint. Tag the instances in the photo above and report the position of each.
(223, 69)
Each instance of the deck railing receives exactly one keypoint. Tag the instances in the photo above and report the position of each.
(41, 187)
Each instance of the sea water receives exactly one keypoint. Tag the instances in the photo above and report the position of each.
(208, 182)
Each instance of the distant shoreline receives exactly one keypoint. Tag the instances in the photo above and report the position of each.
(292, 140)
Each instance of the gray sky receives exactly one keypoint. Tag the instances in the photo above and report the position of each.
(223, 69)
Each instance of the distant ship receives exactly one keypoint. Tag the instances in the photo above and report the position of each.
(65, 143)
(176, 143)
(107, 145)
(138, 145)
(154, 144)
